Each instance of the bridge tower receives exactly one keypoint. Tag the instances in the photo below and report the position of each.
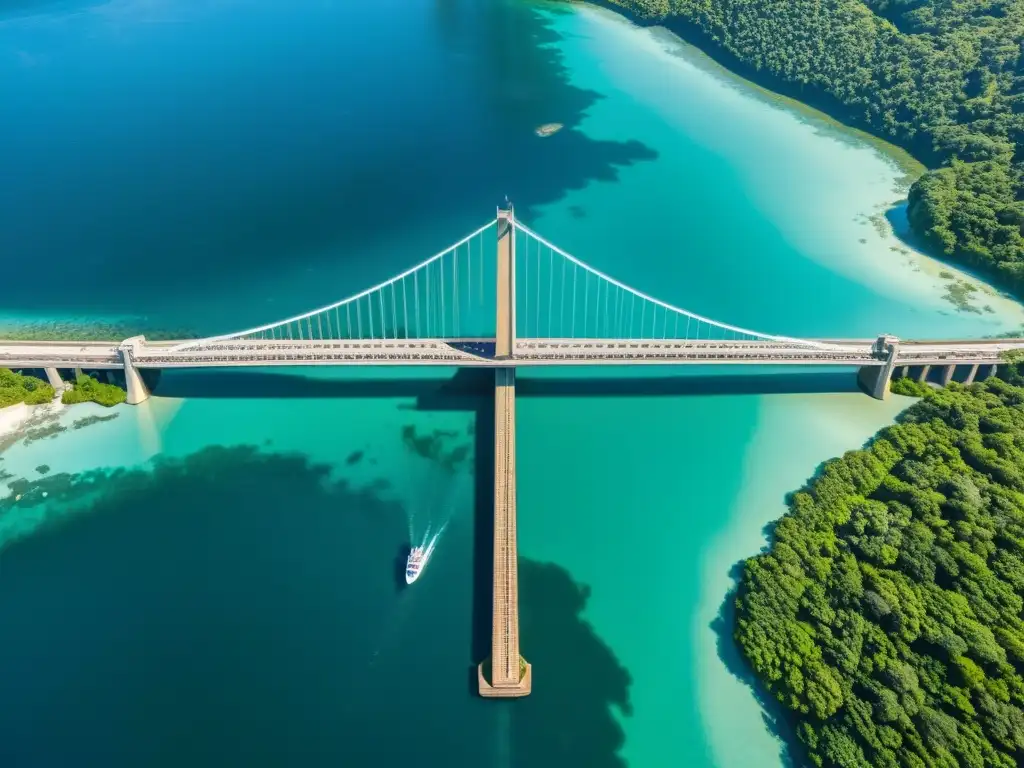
(505, 329)
(874, 379)
(505, 674)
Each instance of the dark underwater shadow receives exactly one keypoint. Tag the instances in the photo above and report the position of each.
(570, 664)
(238, 608)
(474, 382)
(483, 509)
(896, 215)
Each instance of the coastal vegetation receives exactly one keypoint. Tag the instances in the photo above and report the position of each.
(89, 390)
(910, 387)
(18, 388)
(941, 79)
(886, 617)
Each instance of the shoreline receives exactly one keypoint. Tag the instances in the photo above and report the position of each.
(859, 235)
(816, 108)
(887, 270)
(834, 424)
(17, 419)
(771, 88)
(13, 416)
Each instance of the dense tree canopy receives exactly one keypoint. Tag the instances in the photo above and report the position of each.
(17, 388)
(887, 614)
(89, 390)
(939, 77)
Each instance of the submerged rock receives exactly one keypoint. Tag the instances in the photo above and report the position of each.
(548, 129)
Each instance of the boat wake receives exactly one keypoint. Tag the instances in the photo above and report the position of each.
(420, 555)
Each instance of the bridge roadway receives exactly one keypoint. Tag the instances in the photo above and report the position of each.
(479, 352)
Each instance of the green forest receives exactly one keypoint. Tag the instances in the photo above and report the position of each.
(17, 388)
(886, 615)
(941, 78)
(89, 390)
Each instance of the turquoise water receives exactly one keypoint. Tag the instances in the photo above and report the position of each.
(218, 164)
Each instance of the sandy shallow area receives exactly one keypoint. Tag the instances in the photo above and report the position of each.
(16, 418)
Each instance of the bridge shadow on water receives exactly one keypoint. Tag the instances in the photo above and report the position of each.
(445, 391)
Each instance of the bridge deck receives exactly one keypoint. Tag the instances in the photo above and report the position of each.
(479, 352)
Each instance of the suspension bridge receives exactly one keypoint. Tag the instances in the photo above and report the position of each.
(530, 303)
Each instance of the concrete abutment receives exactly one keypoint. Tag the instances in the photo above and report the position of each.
(874, 379)
(54, 379)
(137, 390)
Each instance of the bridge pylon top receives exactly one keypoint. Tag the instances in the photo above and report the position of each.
(133, 342)
(884, 341)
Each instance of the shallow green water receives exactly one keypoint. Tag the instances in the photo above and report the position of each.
(239, 608)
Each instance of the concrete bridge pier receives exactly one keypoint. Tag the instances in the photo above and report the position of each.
(137, 390)
(971, 374)
(54, 379)
(923, 375)
(874, 379)
(947, 374)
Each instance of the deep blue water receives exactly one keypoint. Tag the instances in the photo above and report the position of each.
(174, 160)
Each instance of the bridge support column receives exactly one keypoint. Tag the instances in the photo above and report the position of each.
(971, 374)
(54, 379)
(137, 391)
(874, 379)
(992, 369)
(904, 371)
(923, 375)
(947, 374)
(505, 330)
